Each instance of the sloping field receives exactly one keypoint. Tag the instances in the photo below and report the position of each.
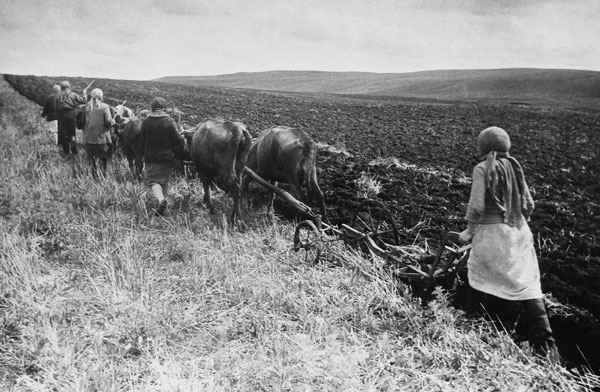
(420, 154)
(565, 88)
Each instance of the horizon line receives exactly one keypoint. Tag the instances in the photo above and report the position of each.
(314, 71)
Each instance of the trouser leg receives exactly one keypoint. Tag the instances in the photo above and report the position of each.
(530, 314)
(62, 137)
(104, 162)
(71, 131)
(66, 134)
(65, 147)
(540, 333)
(92, 161)
(165, 189)
(73, 142)
(503, 313)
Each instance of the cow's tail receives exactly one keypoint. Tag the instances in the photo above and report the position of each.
(243, 141)
(314, 193)
(310, 167)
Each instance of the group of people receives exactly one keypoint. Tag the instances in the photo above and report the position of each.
(60, 109)
(161, 141)
(503, 271)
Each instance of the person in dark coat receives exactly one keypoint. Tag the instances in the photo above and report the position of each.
(49, 111)
(161, 143)
(66, 105)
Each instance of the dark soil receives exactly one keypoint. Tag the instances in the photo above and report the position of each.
(427, 187)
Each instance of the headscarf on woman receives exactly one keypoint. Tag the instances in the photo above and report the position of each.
(97, 96)
(504, 178)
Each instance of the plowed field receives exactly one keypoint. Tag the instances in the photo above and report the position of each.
(427, 185)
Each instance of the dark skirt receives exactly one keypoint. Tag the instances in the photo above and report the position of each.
(158, 173)
(66, 127)
(98, 150)
(528, 317)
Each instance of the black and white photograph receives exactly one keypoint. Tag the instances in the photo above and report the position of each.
(299, 195)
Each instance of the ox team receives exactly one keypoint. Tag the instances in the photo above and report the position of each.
(498, 209)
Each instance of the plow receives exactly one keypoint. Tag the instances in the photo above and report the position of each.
(374, 233)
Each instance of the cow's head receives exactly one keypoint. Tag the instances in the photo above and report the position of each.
(121, 115)
(186, 130)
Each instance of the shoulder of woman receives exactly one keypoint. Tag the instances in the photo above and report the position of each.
(479, 168)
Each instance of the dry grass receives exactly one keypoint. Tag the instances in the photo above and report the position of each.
(96, 294)
(368, 186)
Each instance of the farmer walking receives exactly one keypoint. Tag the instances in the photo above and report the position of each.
(161, 142)
(96, 133)
(50, 111)
(67, 103)
(503, 271)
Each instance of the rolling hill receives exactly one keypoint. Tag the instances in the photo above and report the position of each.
(567, 88)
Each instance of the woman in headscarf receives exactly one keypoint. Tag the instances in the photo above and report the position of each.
(503, 269)
(96, 133)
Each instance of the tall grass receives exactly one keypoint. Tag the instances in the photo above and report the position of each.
(97, 294)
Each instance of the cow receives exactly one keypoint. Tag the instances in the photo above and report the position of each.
(130, 141)
(288, 155)
(219, 150)
(122, 114)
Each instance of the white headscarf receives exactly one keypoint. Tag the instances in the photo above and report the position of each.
(97, 96)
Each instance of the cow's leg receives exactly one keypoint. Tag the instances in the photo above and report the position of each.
(271, 200)
(130, 158)
(296, 190)
(246, 180)
(206, 184)
(139, 165)
(233, 187)
(236, 191)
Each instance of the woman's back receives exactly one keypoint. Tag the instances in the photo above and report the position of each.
(97, 123)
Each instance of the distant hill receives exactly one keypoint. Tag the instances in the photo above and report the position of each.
(570, 88)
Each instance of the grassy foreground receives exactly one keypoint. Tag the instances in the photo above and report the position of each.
(96, 294)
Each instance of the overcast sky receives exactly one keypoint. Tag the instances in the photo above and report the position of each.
(146, 39)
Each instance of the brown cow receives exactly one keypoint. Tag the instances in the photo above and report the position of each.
(130, 141)
(289, 155)
(219, 150)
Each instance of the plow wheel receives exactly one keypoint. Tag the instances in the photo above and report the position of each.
(308, 238)
(374, 219)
